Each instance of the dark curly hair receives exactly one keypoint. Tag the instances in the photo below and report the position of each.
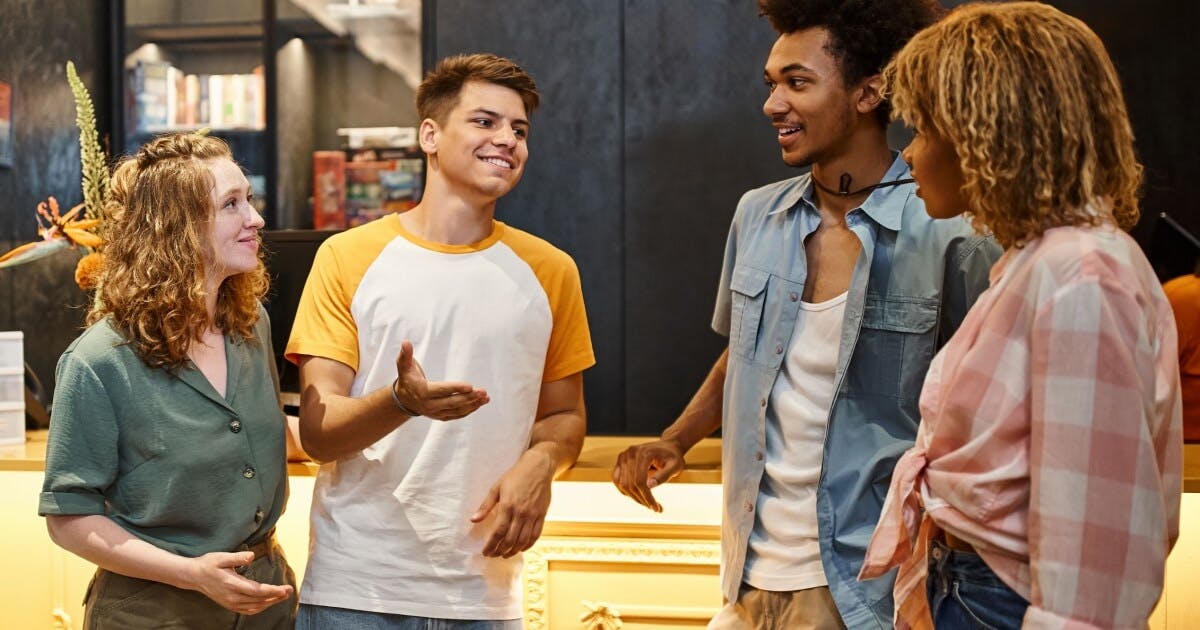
(863, 34)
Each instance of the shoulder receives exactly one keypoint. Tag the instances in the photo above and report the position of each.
(100, 349)
(783, 194)
(369, 237)
(536, 251)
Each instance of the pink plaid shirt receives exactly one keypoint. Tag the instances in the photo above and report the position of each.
(1051, 439)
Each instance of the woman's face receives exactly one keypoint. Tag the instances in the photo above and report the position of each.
(234, 233)
(939, 175)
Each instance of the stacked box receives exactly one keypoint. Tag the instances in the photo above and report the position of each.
(12, 387)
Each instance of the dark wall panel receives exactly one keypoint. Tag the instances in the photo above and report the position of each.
(696, 139)
(571, 190)
(38, 37)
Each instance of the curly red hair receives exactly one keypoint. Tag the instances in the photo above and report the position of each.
(160, 212)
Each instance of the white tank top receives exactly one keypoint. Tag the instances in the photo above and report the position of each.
(784, 554)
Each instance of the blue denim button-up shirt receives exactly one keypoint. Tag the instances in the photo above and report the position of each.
(913, 282)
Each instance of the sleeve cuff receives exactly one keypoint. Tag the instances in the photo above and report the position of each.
(69, 504)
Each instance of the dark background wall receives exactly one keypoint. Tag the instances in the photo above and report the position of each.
(651, 129)
(37, 37)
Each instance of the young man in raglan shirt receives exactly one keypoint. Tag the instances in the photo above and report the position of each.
(441, 356)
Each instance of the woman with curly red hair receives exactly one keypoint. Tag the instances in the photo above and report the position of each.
(1044, 486)
(166, 463)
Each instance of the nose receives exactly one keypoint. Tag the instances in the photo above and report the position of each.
(774, 104)
(255, 220)
(505, 136)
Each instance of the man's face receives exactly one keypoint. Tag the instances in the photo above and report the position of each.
(811, 109)
(939, 175)
(482, 145)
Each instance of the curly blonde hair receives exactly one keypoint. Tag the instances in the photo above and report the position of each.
(1029, 98)
(160, 211)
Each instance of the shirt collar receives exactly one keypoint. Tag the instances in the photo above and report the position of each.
(884, 205)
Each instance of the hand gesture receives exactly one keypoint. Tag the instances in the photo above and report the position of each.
(215, 575)
(519, 502)
(438, 400)
(642, 467)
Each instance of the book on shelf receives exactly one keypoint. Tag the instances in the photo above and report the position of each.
(165, 98)
(329, 190)
(355, 186)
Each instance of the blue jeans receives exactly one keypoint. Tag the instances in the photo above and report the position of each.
(313, 617)
(965, 594)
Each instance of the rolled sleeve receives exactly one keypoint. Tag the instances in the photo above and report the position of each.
(81, 456)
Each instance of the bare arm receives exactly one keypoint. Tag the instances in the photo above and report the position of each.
(334, 425)
(520, 499)
(99, 540)
(641, 467)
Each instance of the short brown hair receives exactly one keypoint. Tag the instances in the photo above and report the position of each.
(439, 91)
(153, 289)
(1029, 98)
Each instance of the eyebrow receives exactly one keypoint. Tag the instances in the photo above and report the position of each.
(791, 67)
(488, 112)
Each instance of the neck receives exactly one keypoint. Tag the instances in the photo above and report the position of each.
(443, 216)
(866, 160)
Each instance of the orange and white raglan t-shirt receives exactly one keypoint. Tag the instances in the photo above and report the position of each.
(390, 529)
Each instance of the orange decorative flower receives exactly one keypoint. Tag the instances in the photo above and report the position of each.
(87, 272)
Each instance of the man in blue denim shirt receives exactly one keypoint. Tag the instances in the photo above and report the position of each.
(836, 291)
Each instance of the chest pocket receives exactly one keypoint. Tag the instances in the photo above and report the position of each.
(895, 345)
(749, 287)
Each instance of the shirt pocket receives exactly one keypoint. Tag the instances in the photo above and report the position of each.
(895, 344)
(749, 288)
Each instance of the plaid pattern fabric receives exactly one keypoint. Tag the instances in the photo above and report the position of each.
(1051, 439)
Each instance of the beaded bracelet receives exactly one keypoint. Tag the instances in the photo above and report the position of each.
(399, 405)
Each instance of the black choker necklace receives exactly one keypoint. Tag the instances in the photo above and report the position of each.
(844, 186)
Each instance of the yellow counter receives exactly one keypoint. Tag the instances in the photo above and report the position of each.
(602, 558)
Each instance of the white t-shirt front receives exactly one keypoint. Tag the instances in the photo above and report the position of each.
(784, 554)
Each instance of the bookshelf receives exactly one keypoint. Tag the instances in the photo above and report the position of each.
(275, 79)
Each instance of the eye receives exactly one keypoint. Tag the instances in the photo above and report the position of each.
(521, 132)
(797, 82)
(770, 85)
(483, 122)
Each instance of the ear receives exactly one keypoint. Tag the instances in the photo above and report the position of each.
(428, 135)
(870, 94)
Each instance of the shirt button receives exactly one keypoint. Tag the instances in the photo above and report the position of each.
(235, 425)
(762, 403)
(793, 296)
(758, 456)
(779, 349)
(248, 472)
(258, 516)
(749, 506)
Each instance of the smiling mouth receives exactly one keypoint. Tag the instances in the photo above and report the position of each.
(787, 131)
(498, 162)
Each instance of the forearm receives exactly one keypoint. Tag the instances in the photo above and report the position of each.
(334, 426)
(102, 542)
(559, 439)
(702, 416)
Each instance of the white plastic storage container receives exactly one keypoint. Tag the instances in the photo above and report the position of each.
(12, 349)
(12, 384)
(12, 422)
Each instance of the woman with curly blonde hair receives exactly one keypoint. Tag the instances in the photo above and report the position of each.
(166, 461)
(1044, 486)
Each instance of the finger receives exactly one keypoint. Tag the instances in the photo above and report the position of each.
(489, 502)
(503, 524)
(461, 411)
(443, 389)
(666, 469)
(529, 535)
(404, 361)
(646, 463)
(232, 560)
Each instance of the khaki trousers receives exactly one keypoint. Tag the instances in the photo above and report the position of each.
(118, 602)
(809, 609)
